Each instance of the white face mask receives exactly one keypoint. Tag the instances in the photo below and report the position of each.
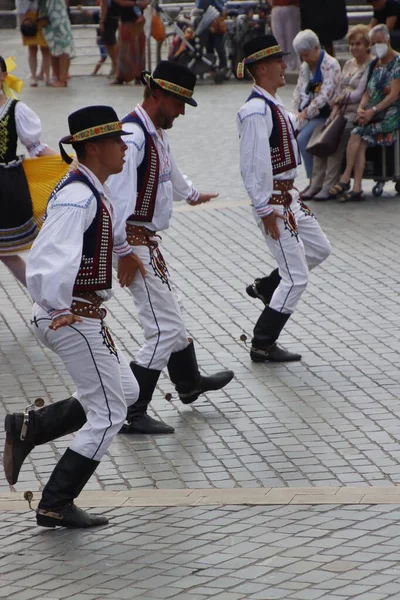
(380, 50)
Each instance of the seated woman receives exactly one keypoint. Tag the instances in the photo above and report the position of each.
(316, 87)
(353, 81)
(378, 115)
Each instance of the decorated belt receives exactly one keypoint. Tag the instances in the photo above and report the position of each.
(283, 185)
(137, 235)
(283, 199)
(91, 308)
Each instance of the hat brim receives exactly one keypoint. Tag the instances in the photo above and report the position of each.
(68, 138)
(145, 80)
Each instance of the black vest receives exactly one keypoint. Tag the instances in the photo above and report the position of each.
(8, 133)
(147, 175)
(95, 271)
(282, 155)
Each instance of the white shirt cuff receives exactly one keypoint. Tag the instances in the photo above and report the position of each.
(264, 210)
(193, 196)
(53, 314)
(123, 249)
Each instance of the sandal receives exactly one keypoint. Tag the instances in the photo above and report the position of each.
(339, 189)
(352, 196)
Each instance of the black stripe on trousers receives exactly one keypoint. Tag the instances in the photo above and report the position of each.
(36, 321)
(290, 275)
(156, 322)
(102, 387)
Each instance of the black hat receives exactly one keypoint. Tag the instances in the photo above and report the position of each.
(173, 78)
(91, 123)
(259, 48)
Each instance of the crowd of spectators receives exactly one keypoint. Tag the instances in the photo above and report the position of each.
(366, 91)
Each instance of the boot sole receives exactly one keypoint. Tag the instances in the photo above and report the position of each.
(12, 436)
(257, 358)
(9, 427)
(196, 393)
(44, 521)
(9, 424)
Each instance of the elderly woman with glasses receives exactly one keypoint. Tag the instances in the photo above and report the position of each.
(378, 115)
(316, 87)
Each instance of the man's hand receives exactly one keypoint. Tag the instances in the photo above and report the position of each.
(64, 321)
(128, 266)
(204, 198)
(271, 226)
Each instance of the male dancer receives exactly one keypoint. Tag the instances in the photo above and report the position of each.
(269, 156)
(144, 193)
(69, 275)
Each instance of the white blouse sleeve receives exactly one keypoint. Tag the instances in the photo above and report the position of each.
(255, 159)
(54, 260)
(29, 129)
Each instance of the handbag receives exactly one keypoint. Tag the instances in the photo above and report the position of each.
(28, 28)
(326, 137)
(157, 28)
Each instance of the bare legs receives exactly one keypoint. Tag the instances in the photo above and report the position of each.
(17, 267)
(32, 61)
(112, 51)
(355, 147)
(44, 74)
(33, 64)
(60, 66)
(359, 167)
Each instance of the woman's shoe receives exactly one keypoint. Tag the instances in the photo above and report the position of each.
(352, 196)
(309, 192)
(322, 195)
(339, 189)
(33, 82)
(59, 84)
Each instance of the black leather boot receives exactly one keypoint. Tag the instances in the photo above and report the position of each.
(56, 507)
(266, 331)
(138, 421)
(42, 426)
(189, 383)
(264, 288)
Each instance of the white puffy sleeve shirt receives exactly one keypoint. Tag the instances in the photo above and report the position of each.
(29, 129)
(172, 184)
(254, 122)
(55, 257)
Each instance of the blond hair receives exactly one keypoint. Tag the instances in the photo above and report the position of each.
(359, 30)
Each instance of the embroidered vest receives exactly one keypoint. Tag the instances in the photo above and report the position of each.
(147, 175)
(8, 133)
(282, 155)
(95, 271)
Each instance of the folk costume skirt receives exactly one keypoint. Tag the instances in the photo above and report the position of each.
(18, 228)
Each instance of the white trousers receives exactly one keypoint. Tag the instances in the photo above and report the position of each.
(159, 312)
(301, 247)
(104, 381)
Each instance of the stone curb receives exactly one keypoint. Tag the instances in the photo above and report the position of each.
(13, 501)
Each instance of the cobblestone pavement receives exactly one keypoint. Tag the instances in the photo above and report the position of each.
(331, 420)
(223, 553)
